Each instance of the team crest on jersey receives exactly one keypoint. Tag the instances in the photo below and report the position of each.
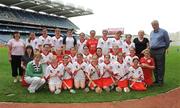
(102, 43)
(139, 72)
(76, 66)
(149, 61)
(118, 66)
(108, 43)
(126, 46)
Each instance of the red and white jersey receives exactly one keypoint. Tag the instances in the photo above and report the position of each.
(17, 47)
(128, 59)
(47, 40)
(105, 45)
(54, 73)
(69, 43)
(67, 74)
(80, 45)
(33, 43)
(101, 59)
(119, 43)
(92, 45)
(73, 58)
(46, 57)
(87, 58)
(93, 72)
(81, 68)
(136, 73)
(120, 69)
(113, 58)
(126, 47)
(103, 69)
(57, 42)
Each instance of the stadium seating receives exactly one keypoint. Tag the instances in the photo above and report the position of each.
(21, 16)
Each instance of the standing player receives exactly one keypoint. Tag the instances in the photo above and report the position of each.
(136, 76)
(79, 69)
(32, 41)
(44, 39)
(104, 43)
(117, 41)
(54, 76)
(128, 44)
(69, 41)
(57, 40)
(92, 42)
(147, 64)
(81, 42)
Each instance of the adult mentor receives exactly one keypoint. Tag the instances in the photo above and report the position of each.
(16, 51)
(159, 42)
(141, 43)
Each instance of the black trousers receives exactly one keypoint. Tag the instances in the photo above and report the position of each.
(159, 58)
(16, 65)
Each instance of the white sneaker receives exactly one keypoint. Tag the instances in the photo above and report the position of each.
(57, 91)
(15, 80)
(31, 91)
(118, 89)
(126, 90)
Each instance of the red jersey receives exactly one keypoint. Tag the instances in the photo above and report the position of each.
(148, 78)
(92, 45)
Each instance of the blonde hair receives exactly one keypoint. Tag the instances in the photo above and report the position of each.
(37, 54)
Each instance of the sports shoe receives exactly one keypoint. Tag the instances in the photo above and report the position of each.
(86, 90)
(57, 91)
(126, 90)
(118, 89)
(20, 79)
(107, 89)
(15, 80)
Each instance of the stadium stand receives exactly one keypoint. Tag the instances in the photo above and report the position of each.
(15, 16)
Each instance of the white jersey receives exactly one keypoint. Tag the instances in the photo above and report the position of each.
(87, 58)
(63, 68)
(128, 59)
(119, 43)
(101, 59)
(47, 40)
(93, 72)
(73, 58)
(33, 43)
(127, 46)
(81, 68)
(136, 73)
(57, 43)
(113, 58)
(54, 74)
(104, 72)
(69, 43)
(105, 45)
(81, 45)
(120, 71)
(45, 58)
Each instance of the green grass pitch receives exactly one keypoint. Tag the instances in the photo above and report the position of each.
(10, 92)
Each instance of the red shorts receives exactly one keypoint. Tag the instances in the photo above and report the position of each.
(107, 82)
(69, 82)
(67, 52)
(123, 84)
(98, 82)
(139, 86)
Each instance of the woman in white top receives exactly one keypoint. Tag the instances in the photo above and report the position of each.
(16, 50)
(32, 41)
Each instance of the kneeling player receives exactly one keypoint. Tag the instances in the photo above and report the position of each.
(106, 73)
(79, 69)
(121, 74)
(136, 76)
(54, 76)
